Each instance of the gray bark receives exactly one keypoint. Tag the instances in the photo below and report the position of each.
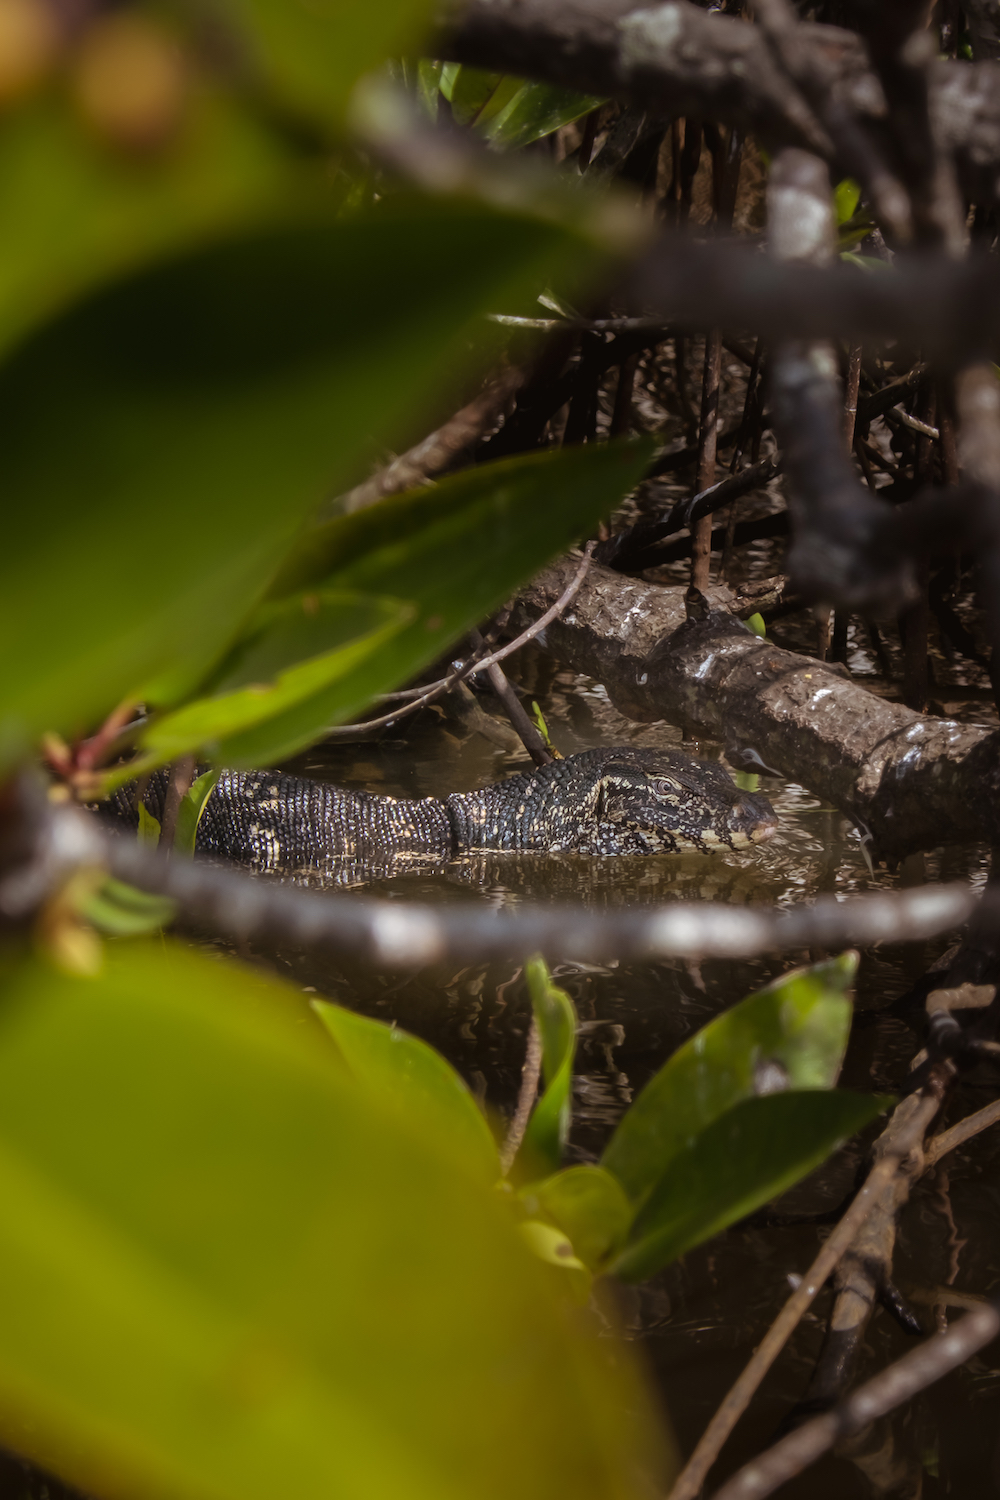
(913, 781)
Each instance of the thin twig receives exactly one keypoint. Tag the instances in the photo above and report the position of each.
(531, 1073)
(957, 1135)
(693, 1475)
(527, 731)
(887, 1390)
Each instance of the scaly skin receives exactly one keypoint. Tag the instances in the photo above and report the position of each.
(601, 802)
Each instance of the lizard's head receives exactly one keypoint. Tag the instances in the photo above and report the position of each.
(660, 801)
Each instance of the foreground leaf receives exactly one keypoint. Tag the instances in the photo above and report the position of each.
(791, 1035)
(294, 652)
(226, 1271)
(548, 1128)
(755, 1151)
(458, 550)
(413, 1079)
(238, 385)
(312, 55)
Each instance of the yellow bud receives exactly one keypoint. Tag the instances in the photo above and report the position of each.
(129, 82)
(29, 46)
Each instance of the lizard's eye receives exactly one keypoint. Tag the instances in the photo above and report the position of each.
(664, 787)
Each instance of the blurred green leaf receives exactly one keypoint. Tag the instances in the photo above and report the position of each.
(755, 1151)
(237, 385)
(190, 811)
(415, 1080)
(121, 910)
(293, 650)
(534, 111)
(227, 1271)
(74, 212)
(149, 827)
(791, 1035)
(846, 196)
(756, 624)
(459, 549)
(548, 1128)
(312, 54)
(589, 1206)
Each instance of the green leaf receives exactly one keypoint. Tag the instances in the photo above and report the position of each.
(123, 911)
(791, 1035)
(475, 96)
(536, 110)
(589, 1206)
(293, 650)
(548, 1128)
(756, 624)
(756, 1150)
(312, 54)
(74, 212)
(238, 385)
(414, 1080)
(846, 196)
(190, 811)
(458, 550)
(149, 827)
(226, 1270)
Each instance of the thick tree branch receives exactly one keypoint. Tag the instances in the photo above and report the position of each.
(912, 782)
(677, 59)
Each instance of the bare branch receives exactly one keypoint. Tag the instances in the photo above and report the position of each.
(531, 1074)
(922, 1109)
(887, 1390)
(395, 935)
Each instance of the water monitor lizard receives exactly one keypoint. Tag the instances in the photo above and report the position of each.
(619, 800)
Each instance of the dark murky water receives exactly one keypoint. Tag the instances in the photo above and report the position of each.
(699, 1321)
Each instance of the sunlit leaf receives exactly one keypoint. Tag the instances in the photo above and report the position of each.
(190, 811)
(589, 1206)
(293, 650)
(227, 1269)
(846, 196)
(413, 1079)
(548, 1128)
(755, 1151)
(536, 110)
(791, 1035)
(238, 385)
